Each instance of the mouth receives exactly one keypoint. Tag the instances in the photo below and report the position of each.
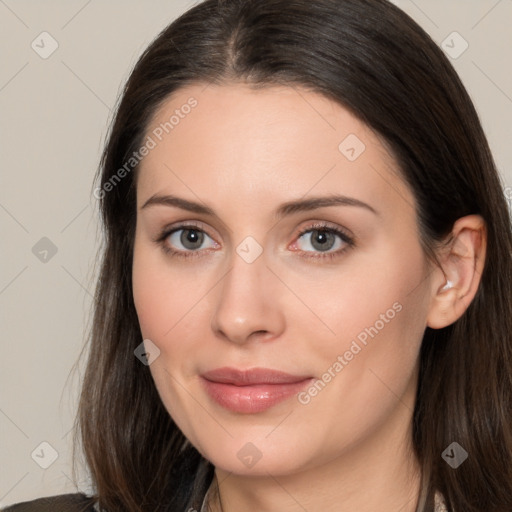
(251, 391)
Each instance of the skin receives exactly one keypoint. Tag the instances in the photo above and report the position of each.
(244, 152)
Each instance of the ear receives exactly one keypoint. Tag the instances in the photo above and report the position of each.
(462, 260)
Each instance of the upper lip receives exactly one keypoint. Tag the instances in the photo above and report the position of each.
(227, 375)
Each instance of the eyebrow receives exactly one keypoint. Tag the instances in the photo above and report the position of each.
(288, 208)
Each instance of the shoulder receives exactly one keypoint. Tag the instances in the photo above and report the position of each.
(61, 503)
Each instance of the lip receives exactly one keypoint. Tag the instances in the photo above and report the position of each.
(253, 390)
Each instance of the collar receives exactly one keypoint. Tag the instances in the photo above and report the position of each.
(439, 503)
(205, 500)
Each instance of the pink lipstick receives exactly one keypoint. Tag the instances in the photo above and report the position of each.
(251, 391)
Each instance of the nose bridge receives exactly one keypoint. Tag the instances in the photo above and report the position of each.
(246, 301)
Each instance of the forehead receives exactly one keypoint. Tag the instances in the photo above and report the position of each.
(246, 145)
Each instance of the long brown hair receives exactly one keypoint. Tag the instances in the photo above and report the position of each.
(373, 59)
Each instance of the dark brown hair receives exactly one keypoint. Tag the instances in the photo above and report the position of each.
(370, 57)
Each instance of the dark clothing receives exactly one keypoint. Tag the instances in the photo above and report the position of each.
(60, 503)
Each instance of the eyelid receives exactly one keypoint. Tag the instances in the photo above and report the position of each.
(168, 229)
(324, 225)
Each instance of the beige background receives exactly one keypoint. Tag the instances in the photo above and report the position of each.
(54, 116)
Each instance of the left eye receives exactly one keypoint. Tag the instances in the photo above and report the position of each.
(322, 240)
(190, 238)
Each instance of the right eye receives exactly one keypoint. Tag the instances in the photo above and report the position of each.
(185, 239)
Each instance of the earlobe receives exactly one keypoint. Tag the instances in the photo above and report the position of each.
(462, 260)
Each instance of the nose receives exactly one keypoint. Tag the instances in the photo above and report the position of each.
(247, 304)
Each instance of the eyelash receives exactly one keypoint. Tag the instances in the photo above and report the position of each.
(348, 240)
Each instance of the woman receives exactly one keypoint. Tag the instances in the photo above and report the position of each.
(305, 299)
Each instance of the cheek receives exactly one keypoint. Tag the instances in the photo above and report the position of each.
(367, 370)
(170, 302)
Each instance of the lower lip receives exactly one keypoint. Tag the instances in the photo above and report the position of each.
(252, 399)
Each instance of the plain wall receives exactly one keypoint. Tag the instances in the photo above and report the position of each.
(54, 114)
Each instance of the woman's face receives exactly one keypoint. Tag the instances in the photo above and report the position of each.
(301, 254)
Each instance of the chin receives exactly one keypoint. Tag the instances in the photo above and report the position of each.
(258, 456)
